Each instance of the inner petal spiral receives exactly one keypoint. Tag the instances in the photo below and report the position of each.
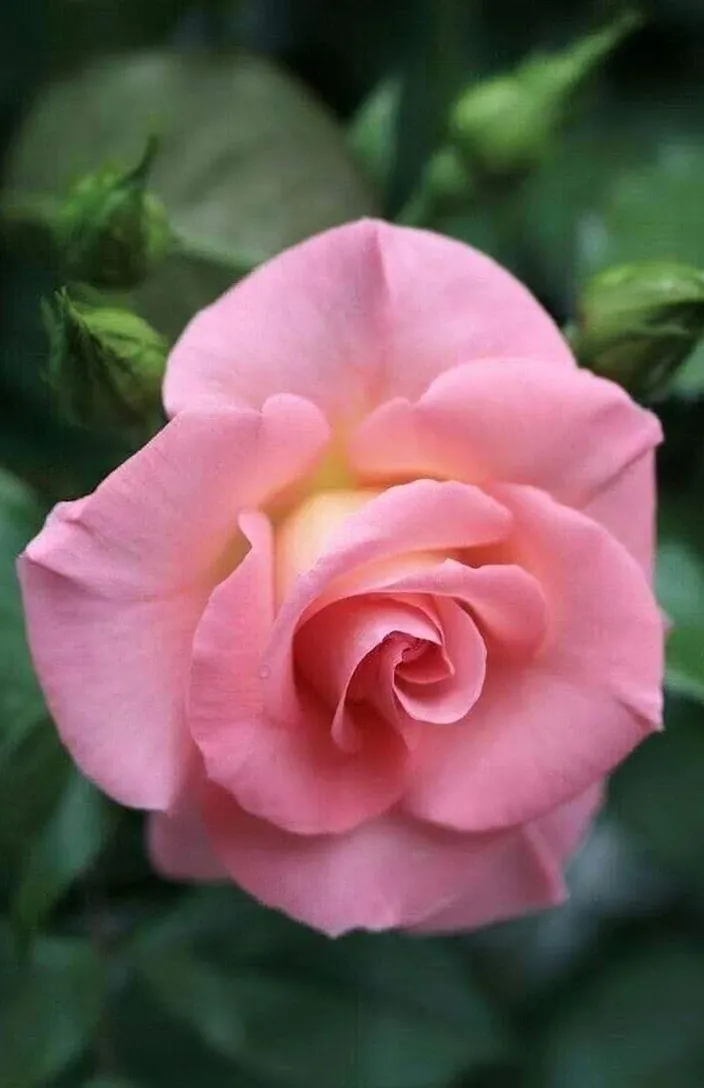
(378, 662)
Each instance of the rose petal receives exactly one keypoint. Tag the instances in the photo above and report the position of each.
(178, 843)
(423, 515)
(389, 872)
(448, 700)
(520, 421)
(293, 775)
(331, 647)
(114, 587)
(506, 601)
(554, 837)
(544, 732)
(354, 316)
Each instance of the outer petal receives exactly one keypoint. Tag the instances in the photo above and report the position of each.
(546, 731)
(354, 316)
(499, 892)
(179, 846)
(389, 872)
(293, 774)
(568, 432)
(114, 587)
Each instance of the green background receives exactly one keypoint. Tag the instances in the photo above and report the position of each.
(110, 978)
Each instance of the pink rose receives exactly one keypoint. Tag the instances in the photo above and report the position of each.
(368, 623)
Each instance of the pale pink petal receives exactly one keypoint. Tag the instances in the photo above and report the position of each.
(423, 515)
(500, 890)
(390, 872)
(292, 774)
(544, 732)
(627, 508)
(566, 431)
(115, 585)
(354, 316)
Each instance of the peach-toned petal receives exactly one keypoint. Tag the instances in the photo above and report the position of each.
(516, 421)
(546, 731)
(114, 587)
(354, 316)
(390, 872)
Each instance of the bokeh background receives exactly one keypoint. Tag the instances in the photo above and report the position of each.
(111, 978)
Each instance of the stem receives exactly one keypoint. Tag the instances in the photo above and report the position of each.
(238, 265)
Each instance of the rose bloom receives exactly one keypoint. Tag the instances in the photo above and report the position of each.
(368, 623)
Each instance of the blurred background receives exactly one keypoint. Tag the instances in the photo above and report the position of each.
(278, 118)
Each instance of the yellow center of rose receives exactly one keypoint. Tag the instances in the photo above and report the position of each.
(305, 533)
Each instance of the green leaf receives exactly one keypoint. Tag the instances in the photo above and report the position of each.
(52, 1013)
(658, 791)
(300, 1031)
(65, 848)
(201, 996)
(219, 923)
(156, 1051)
(249, 162)
(680, 589)
(21, 702)
(636, 1023)
(109, 1082)
(32, 775)
(630, 229)
(384, 1012)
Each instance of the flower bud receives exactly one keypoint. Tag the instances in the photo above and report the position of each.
(110, 229)
(446, 187)
(106, 365)
(637, 323)
(505, 125)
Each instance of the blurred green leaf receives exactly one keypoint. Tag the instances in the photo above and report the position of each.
(371, 132)
(689, 379)
(156, 1051)
(65, 849)
(635, 1023)
(652, 213)
(680, 589)
(203, 997)
(249, 162)
(658, 791)
(220, 923)
(432, 76)
(21, 702)
(32, 776)
(52, 1013)
(109, 1082)
(301, 1032)
(384, 1012)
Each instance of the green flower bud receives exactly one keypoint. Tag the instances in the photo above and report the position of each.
(446, 188)
(105, 365)
(638, 323)
(505, 126)
(110, 229)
